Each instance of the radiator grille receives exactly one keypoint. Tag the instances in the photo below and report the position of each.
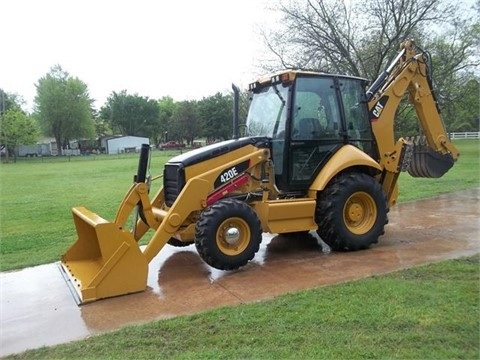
(173, 182)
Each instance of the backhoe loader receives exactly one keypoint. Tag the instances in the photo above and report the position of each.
(319, 153)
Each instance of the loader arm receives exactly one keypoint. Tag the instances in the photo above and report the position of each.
(408, 73)
(106, 260)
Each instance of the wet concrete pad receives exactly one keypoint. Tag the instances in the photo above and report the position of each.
(37, 308)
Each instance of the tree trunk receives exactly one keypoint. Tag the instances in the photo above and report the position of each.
(58, 140)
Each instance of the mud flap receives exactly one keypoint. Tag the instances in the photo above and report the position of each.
(427, 163)
(105, 261)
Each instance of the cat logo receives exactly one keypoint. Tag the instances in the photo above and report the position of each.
(378, 108)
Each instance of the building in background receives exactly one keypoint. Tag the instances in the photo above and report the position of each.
(123, 144)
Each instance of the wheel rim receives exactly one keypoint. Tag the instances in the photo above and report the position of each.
(360, 213)
(233, 236)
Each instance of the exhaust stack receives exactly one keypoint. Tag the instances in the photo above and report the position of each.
(236, 102)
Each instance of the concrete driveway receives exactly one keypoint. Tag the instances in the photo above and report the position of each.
(37, 308)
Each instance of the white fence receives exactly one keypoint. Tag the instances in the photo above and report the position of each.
(465, 135)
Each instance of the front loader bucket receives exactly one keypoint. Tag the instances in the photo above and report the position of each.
(428, 163)
(105, 260)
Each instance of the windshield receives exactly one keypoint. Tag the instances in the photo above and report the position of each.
(267, 112)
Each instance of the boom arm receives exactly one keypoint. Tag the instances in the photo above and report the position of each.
(409, 72)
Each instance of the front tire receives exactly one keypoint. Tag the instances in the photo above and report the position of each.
(351, 212)
(177, 243)
(228, 234)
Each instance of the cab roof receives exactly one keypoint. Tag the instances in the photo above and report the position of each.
(289, 75)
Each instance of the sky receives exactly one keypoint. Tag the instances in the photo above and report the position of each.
(186, 49)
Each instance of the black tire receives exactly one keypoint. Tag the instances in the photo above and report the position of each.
(173, 241)
(228, 217)
(351, 212)
(296, 234)
(178, 243)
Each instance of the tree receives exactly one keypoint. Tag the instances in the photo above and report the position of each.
(354, 38)
(464, 106)
(167, 107)
(17, 128)
(10, 101)
(132, 115)
(216, 114)
(360, 37)
(102, 127)
(186, 124)
(455, 61)
(64, 107)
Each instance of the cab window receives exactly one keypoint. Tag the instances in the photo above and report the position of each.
(356, 114)
(315, 111)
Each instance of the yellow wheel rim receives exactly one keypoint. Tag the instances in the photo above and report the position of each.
(360, 213)
(233, 236)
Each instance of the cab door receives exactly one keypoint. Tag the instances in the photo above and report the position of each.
(357, 119)
(316, 129)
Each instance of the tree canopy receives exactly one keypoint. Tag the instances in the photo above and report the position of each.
(64, 107)
(132, 115)
(216, 113)
(353, 37)
(17, 128)
(360, 37)
(185, 122)
(167, 107)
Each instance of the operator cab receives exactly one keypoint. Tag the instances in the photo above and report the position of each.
(308, 117)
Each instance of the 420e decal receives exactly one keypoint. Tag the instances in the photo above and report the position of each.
(231, 173)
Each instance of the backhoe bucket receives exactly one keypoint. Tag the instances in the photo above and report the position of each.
(105, 260)
(428, 163)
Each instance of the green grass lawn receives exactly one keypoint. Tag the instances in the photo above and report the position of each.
(37, 195)
(428, 312)
(36, 224)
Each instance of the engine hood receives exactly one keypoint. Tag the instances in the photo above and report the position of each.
(211, 151)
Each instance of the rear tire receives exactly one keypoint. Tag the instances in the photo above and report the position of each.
(228, 234)
(351, 212)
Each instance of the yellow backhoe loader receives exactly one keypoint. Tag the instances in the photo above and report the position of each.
(319, 153)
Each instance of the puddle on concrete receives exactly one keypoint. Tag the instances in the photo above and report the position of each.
(37, 308)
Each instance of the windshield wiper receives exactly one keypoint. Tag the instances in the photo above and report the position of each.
(279, 95)
(277, 120)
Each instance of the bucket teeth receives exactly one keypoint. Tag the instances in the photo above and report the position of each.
(428, 163)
